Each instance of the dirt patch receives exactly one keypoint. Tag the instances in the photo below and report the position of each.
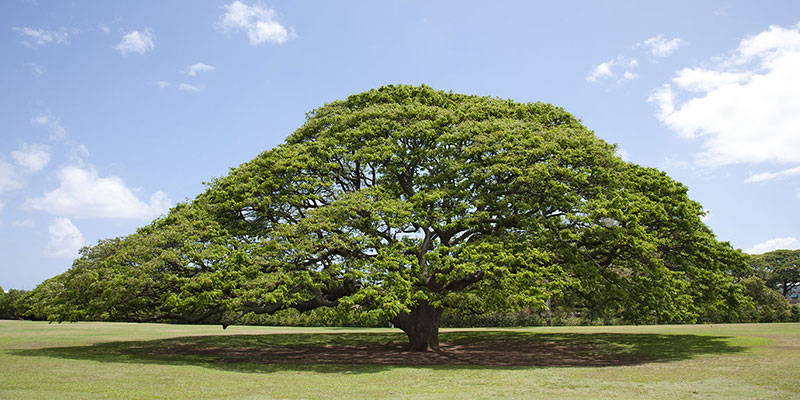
(487, 353)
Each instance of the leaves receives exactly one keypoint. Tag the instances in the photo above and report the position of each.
(403, 196)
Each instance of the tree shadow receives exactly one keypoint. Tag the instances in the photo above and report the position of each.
(374, 352)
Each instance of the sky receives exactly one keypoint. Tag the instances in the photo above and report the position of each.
(112, 112)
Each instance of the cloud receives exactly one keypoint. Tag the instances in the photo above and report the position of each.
(161, 84)
(42, 37)
(628, 76)
(660, 46)
(78, 154)
(104, 28)
(606, 69)
(744, 108)
(602, 70)
(699, 80)
(706, 216)
(624, 155)
(765, 176)
(8, 177)
(258, 21)
(722, 11)
(65, 239)
(787, 243)
(620, 69)
(84, 194)
(136, 42)
(56, 130)
(32, 157)
(23, 223)
(36, 69)
(189, 88)
(199, 67)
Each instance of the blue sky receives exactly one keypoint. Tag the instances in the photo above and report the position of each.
(111, 112)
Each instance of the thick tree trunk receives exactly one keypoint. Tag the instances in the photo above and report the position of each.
(422, 326)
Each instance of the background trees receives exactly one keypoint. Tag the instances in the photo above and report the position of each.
(404, 201)
(10, 307)
(780, 269)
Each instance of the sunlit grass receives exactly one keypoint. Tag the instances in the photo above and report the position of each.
(110, 360)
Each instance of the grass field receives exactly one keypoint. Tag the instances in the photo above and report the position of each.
(154, 361)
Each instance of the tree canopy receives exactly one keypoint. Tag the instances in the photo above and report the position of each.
(780, 269)
(403, 201)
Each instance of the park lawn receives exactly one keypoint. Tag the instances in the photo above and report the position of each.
(92, 360)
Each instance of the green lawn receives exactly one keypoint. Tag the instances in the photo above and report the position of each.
(154, 361)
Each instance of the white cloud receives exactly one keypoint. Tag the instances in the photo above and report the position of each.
(705, 217)
(258, 21)
(23, 223)
(136, 42)
(722, 11)
(624, 155)
(56, 130)
(32, 157)
(602, 70)
(704, 80)
(787, 243)
(199, 67)
(36, 69)
(765, 176)
(8, 177)
(620, 69)
(42, 37)
(660, 46)
(84, 194)
(745, 108)
(189, 88)
(161, 84)
(65, 239)
(606, 69)
(628, 76)
(78, 154)
(104, 28)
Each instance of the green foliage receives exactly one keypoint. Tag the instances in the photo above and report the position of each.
(768, 304)
(405, 198)
(12, 305)
(780, 269)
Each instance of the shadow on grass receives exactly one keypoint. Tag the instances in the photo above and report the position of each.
(373, 352)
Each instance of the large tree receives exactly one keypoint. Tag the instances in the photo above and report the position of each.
(780, 269)
(403, 201)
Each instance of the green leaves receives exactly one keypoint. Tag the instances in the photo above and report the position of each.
(402, 196)
(780, 269)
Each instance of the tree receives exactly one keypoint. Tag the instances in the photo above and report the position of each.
(404, 201)
(11, 306)
(779, 268)
(768, 305)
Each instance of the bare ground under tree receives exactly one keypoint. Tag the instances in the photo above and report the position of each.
(492, 353)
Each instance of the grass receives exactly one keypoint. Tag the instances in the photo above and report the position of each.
(154, 361)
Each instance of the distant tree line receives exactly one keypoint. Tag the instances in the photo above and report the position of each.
(762, 291)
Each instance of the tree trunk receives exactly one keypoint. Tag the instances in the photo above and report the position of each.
(422, 326)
